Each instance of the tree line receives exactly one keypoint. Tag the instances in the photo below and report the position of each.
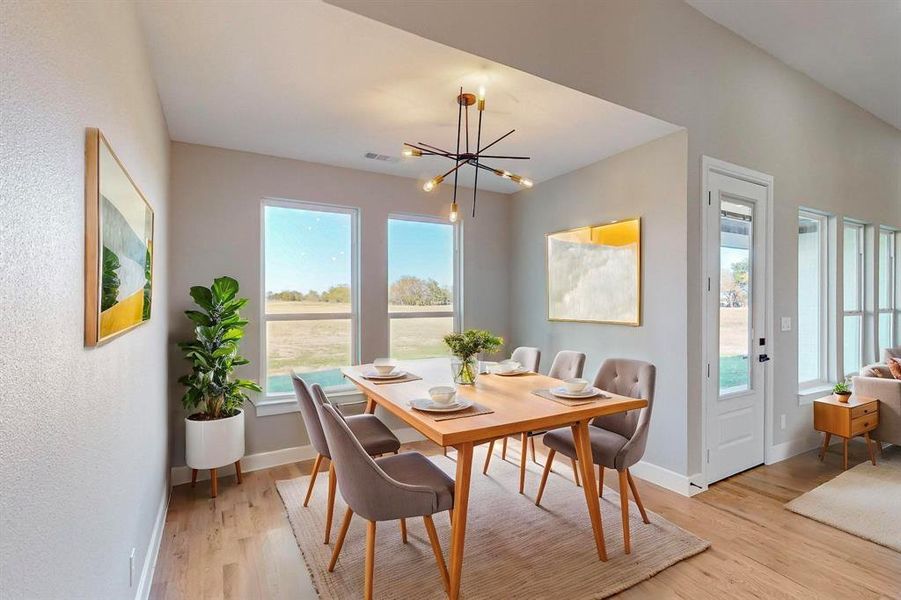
(406, 291)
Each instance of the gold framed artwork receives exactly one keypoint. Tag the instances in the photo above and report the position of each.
(118, 257)
(594, 273)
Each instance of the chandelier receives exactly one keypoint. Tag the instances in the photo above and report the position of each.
(470, 157)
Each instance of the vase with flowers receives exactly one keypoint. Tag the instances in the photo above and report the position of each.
(466, 347)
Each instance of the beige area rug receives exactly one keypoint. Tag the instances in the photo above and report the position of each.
(864, 501)
(514, 549)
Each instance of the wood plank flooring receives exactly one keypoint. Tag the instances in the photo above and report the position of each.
(240, 545)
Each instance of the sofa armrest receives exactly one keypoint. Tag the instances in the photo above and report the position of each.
(888, 392)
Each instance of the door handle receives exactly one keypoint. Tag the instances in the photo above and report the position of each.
(762, 358)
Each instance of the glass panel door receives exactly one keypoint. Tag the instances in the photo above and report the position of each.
(736, 242)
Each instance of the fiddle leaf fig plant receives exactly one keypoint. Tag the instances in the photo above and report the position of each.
(218, 329)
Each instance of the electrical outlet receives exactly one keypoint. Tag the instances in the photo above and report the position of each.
(782, 421)
(786, 323)
(131, 568)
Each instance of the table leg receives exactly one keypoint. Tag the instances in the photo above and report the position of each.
(370, 405)
(461, 504)
(870, 450)
(845, 453)
(589, 485)
(826, 437)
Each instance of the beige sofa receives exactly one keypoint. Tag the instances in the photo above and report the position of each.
(887, 390)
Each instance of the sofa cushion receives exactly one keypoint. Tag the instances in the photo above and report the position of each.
(894, 365)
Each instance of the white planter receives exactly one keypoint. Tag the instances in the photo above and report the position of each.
(214, 444)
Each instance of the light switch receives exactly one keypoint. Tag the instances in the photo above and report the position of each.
(786, 323)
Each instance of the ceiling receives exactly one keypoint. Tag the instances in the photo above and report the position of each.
(852, 47)
(310, 81)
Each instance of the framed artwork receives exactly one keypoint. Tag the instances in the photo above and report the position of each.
(594, 273)
(118, 246)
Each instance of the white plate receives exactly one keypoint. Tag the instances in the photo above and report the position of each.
(428, 405)
(373, 374)
(519, 371)
(588, 392)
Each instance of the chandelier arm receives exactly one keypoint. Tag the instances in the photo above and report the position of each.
(426, 149)
(475, 185)
(453, 169)
(457, 168)
(505, 157)
(498, 139)
(436, 149)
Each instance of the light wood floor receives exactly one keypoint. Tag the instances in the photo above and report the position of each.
(241, 544)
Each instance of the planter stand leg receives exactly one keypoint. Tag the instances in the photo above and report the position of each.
(193, 477)
(238, 472)
(214, 484)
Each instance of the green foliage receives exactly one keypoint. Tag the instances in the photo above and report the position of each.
(147, 278)
(471, 342)
(214, 351)
(841, 387)
(109, 283)
(414, 291)
(336, 293)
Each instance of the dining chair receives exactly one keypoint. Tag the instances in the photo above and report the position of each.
(617, 441)
(374, 436)
(386, 489)
(530, 358)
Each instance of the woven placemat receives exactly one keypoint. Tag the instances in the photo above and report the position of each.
(407, 377)
(546, 394)
(473, 411)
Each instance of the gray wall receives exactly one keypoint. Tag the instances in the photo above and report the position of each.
(738, 103)
(216, 199)
(83, 453)
(648, 182)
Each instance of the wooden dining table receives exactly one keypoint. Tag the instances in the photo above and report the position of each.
(515, 410)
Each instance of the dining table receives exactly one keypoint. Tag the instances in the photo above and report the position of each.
(514, 409)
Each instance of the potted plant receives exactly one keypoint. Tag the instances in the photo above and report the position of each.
(842, 391)
(214, 434)
(465, 347)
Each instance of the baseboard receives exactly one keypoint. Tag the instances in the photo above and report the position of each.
(153, 549)
(676, 482)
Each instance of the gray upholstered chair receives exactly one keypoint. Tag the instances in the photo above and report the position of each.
(374, 436)
(617, 441)
(567, 364)
(387, 489)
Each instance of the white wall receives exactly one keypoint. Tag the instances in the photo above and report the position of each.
(83, 432)
(216, 199)
(738, 104)
(648, 182)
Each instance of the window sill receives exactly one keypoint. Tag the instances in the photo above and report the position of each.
(281, 405)
(811, 393)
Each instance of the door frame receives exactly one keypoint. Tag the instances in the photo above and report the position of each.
(709, 391)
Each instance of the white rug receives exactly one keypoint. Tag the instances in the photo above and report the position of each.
(513, 548)
(864, 501)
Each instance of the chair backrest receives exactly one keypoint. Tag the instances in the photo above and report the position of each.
(365, 487)
(891, 353)
(309, 414)
(528, 357)
(636, 379)
(567, 364)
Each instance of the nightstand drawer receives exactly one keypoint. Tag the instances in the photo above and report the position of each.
(864, 409)
(864, 423)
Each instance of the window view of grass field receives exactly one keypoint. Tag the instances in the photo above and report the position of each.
(309, 298)
(735, 256)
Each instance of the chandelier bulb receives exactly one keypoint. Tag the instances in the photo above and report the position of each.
(454, 213)
(412, 152)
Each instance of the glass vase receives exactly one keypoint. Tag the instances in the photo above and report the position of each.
(464, 370)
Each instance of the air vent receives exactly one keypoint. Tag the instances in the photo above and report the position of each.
(381, 157)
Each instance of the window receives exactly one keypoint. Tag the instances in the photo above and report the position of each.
(422, 285)
(853, 278)
(813, 289)
(887, 302)
(310, 287)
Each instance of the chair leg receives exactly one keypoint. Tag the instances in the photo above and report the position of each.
(444, 450)
(532, 449)
(572, 461)
(637, 498)
(547, 469)
(330, 509)
(450, 515)
(193, 477)
(524, 439)
(313, 474)
(370, 560)
(504, 449)
(436, 548)
(624, 507)
(339, 543)
(488, 457)
(238, 475)
(600, 481)
(403, 530)
(214, 484)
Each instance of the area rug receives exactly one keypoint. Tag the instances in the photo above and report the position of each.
(513, 548)
(864, 501)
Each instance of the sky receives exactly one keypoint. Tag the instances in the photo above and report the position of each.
(310, 250)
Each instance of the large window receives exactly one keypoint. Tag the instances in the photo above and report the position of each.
(887, 302)
(813, 288)
(853, 280)
(422, 290)
(310, 266)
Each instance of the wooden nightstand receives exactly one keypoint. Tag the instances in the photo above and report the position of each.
(857, 416)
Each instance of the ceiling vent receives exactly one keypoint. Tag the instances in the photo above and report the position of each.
(381, 157)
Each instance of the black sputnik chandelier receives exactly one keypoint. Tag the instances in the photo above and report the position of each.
(467, 156)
